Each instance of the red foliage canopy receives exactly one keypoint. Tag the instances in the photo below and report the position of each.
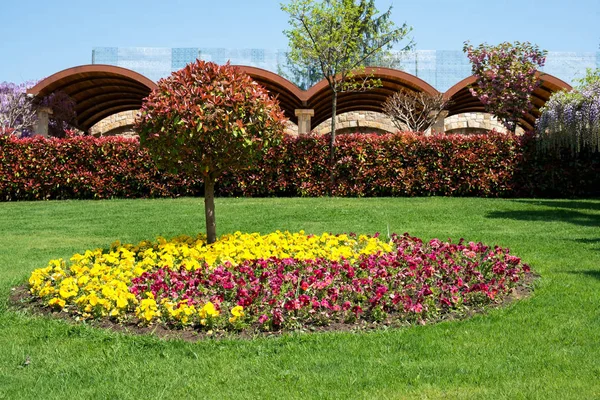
(207, 118)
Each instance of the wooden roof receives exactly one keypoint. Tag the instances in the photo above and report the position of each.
(102, 90)
(98, 90)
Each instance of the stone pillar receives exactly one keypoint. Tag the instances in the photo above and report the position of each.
(438, 125)
(304, 115)
(41, 125)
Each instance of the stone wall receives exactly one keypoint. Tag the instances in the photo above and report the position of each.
(117, 124)
(469, 123)
(351, 122)
(358, 121)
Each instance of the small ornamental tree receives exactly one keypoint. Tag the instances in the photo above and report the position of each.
(571, 120)
(207, 119)
(414, 111)
(506, 78)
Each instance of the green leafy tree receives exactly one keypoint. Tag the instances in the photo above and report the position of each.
(302, 75)
(207, 119)
(307, 75)
(506, 78)
(340, 37)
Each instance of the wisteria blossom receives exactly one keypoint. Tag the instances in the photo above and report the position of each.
(571, 120)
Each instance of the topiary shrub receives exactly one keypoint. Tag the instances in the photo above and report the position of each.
(207, 119)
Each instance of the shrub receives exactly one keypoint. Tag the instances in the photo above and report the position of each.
(403, 164)
(83, 168)
(207, 119)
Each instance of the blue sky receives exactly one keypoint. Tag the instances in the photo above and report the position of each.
(39, 38)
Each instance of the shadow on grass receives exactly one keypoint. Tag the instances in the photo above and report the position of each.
(587, 241)
(590, 205)
(560, 215)
(594, 243)
(589, 273)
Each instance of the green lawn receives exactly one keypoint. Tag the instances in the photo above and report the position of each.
(547, 346)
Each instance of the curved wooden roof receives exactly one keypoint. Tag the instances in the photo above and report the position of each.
(319, 96)
(463, 101)
(290, 96)
(102, 90)
(98, 90)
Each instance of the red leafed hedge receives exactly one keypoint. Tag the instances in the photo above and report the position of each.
(82, 168)
(403, 164)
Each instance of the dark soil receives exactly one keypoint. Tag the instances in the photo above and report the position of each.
(21, 299)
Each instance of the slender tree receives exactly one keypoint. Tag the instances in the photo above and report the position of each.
(340, 36)
(207, 119)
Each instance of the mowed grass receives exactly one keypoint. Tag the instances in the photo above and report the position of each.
(546, 346)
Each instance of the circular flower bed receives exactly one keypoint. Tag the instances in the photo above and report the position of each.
(278, 281)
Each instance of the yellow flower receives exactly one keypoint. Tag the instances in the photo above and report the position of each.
(57, 302)
(147, 309)
(46, 290)
(93, 299)
(68, 288)
(208, 310)
(237, 311)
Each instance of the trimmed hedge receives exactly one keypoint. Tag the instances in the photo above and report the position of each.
(403, 164)
(83, 168)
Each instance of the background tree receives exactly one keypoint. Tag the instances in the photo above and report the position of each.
(17, 112)
(207, 119)
(506, 78)
(307, 73)
(571, 120)
(413, 110)
(302, 75)
(339, 36)
(63, 114)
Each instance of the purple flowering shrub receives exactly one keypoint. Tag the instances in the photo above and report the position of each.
(416, 282)
(571, 120)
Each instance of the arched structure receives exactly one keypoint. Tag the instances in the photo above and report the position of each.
(98, 90)
(462, 101)
(290, 96)
(319, 97)
(103, 90)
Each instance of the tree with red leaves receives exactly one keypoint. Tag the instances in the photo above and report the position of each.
(207, 119)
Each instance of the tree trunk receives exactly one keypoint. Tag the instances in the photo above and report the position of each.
(209, 210)
(332, 145)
